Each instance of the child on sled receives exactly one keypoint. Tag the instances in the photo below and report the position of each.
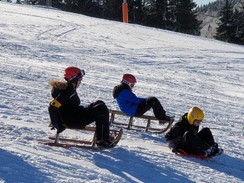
(185, 135)
(132, 105)
(65, 109)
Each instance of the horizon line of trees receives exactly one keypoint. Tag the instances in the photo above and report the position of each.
(173, 15)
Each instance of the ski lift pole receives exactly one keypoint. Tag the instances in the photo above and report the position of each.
(125, 11)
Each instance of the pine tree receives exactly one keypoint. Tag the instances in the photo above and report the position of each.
(136, 11)
(113, 9)
(155, 13)
(160, 7)
(226, 27)
(189, 22)
(183, 16)
(172, 15)
(238, 23)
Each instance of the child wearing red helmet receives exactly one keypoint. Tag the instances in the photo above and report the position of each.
(132, 105)
(65, 109)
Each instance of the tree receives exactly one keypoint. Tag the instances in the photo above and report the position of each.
(160, 11)
(135, 11)
(226, 27)
(183, 16)
(113, 9)
(238, 23)
(172, 15)
(155, 13)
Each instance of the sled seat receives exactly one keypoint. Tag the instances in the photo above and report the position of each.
(148, 124)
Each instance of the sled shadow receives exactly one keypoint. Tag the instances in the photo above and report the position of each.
(222, 163)
(133, 168)
(157, 138)
(15, 169)
(227, 165)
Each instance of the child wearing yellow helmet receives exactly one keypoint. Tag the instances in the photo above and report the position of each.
(185, 135)
(195, 113)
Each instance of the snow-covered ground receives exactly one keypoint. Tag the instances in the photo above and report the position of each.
(210, 21)
(37, 44)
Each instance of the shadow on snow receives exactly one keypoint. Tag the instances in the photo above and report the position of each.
(135, 168)
(15, 169)
(223, 163)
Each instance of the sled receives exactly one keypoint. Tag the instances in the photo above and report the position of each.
(143, 123)
(82, 143)
(181, 152)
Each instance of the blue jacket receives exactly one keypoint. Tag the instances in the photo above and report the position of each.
(126, 99)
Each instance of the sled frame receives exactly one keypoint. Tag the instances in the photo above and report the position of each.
(146, 128)
(92, 143)
(70, 142)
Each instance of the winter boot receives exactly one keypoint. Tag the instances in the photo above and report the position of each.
(105, 144)
(166, 118)
(213, 151)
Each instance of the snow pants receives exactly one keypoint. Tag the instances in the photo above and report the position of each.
(151, 102)
(197, 143)
(95, 112)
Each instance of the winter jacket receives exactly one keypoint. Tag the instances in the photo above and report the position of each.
(185, 136)
(176, 135)
(65, 102)
(179, 129)
(65, 111)
(126, 99)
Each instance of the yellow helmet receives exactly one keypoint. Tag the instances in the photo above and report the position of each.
(195, 113)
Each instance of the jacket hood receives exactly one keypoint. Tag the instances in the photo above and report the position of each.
(117, 89)
(57, 84)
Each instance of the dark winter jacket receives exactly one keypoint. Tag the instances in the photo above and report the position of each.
(179, 129)
(175, 136)
(126, 99)
(187, 137)
(65, 95)
(66, 112)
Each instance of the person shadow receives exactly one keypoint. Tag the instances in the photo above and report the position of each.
(223, 163)
(14, 169)
(133, 168)
(226, 164)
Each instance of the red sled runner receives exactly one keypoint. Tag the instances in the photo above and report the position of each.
(183, 153)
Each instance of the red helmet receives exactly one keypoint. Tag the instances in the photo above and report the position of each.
(128, 79)
(72, 74)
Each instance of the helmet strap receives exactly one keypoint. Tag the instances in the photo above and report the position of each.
(128, 83)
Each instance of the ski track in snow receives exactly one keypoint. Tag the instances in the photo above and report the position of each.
(36, 45)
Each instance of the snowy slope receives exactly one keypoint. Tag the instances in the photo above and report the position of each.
(37, 43)
(210, 21)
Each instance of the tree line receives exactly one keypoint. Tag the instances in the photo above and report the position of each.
(173, 15)
(231, 27)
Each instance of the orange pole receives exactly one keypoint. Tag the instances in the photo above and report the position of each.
(125, 11)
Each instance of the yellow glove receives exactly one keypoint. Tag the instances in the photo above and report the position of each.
(55, 103)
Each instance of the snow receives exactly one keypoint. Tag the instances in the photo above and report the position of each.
(210, 21)
(203, 2)
(38, 43)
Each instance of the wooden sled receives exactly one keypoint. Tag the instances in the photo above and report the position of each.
(152, 124)
(82, 143)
